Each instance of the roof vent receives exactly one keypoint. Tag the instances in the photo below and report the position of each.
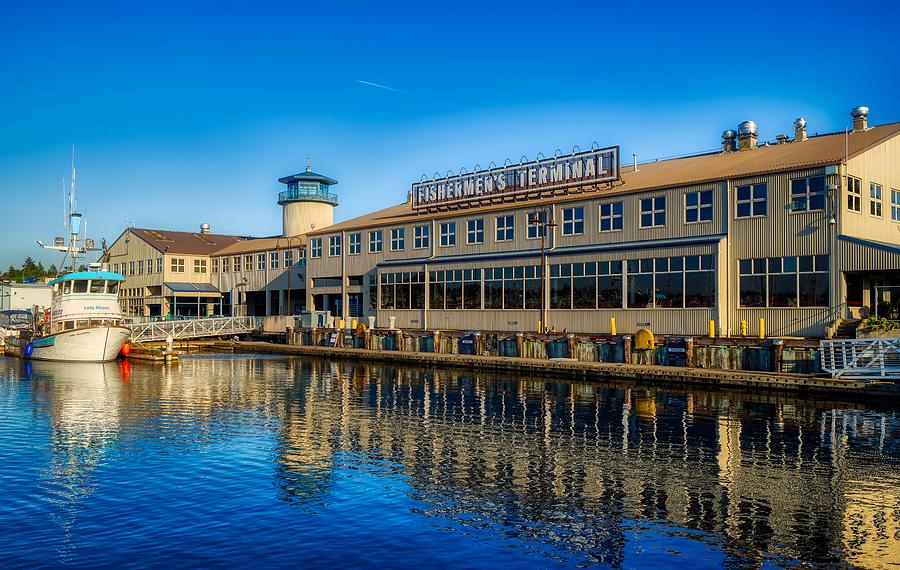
(204, 228)
(860, 118)
(781, 139)
(799, 129)
(729, 141)
(748, 134)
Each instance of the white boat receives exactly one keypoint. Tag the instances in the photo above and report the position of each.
(85, 322)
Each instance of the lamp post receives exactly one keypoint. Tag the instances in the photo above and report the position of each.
(542, 217)
(289, 269)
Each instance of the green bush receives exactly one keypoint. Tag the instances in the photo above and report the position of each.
(876, 324)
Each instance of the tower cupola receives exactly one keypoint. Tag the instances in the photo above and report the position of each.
(307, 204)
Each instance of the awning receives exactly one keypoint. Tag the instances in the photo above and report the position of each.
(182, 289)
(868, 255)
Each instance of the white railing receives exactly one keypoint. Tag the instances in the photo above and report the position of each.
(195, 328)
(862, 358)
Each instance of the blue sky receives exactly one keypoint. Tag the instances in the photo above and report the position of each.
(188, 112)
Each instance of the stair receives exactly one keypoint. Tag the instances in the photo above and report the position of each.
(847, 328)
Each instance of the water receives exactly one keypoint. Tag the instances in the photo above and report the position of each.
(265, 461)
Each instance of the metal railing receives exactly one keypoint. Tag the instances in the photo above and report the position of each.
(308, 194)
(196, 328)
(862, 358)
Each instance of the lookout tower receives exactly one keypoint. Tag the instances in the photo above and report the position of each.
(306, 204)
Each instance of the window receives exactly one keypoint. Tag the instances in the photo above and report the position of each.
(80, 286)
(535, 227)
(448, 234)
(512, 288)
(177, 265)
(808, 194)
(288, 258)
(376, 241)
(698, 207)
(784, 281)
(875, 199)
(273, 258)
(672, 282)
(215, 265)
(315, 246)
(236, 260)
(334, 246)
(248, 263)
(403, 290)
(260, 261)
(504, 228)
(752, 200)
(421, 234)
(475, 231)
(854, 194)
(98, 285)
(159, 265)
(131, 267)
(573, 221)
(199, 266)
(895, 205)
(149, 266)
(355, 245)
(611, 217)
(140, 266)
(398, 239)
(115, 268)
(653, 212)
(226, 264)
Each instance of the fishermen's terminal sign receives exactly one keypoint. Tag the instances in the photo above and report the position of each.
(590, 167)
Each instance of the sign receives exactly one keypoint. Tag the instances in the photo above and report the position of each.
(577, 169)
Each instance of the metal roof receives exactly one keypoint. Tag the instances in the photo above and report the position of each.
(308, 176)
(189, 243)
(182, 287)
(108, 275)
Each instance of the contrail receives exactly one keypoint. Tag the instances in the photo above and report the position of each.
(370, 84)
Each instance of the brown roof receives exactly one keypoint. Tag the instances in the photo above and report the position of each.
(816, 151)
(190, 243)
(263, 244)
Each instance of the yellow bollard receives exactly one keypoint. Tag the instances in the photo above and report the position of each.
(353, 324)
(340, 324)
(712, 329)
(612, 326)
(743, 327)
(762, 327)
(540, 330)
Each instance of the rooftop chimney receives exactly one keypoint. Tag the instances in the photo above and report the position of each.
(799, 129)
(204, 228)
(729, 141)
(860, 118)
(748, 134)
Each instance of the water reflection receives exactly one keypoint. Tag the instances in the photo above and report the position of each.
(582, 473)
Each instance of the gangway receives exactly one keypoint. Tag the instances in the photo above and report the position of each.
(862, 358)
(193, 328)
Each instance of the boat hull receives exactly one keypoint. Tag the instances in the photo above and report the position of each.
(91, 344)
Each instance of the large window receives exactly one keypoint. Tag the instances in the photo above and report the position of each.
(653, 212)
(403, 290)
(398, 239)
(854, 194)
(752, 200)
(808, 194)
(334, 246)
(475, 231)
(177, 265)
(587, 285)
(315, 246)
(455, 289)
(698, 207)
(512, 288)
(875, 199)
(504, 228)
(784, 281)
(448, 234)
(199, 266)
(376, 241)
(611, 217)
(671, 282)
(354, 245)
(573, 221)
(895, 205)
(421, 235)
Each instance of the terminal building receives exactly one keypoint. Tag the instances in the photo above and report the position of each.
(790, 234)
(197, 274)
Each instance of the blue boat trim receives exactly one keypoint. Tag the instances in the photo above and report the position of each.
(44, 342)
(108, 275)
(594, 248)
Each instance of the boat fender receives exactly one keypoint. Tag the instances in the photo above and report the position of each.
(126, 349)
(29, 349)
